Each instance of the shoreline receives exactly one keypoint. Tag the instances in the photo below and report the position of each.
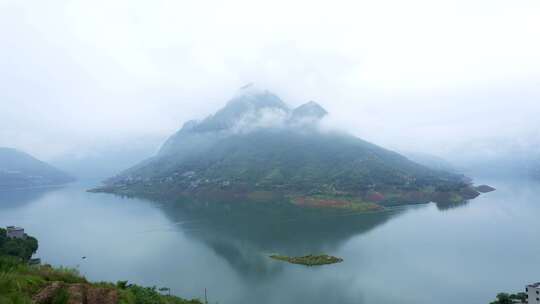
(341, 203)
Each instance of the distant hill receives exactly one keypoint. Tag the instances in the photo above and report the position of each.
(256, 146)
(20, 170)
(103, 161)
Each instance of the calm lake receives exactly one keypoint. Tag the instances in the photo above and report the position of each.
(416, 254)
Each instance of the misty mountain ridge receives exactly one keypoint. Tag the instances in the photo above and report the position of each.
(254, 108)
(257, 144)
(103, 161)
(21, 170)
(251, 109)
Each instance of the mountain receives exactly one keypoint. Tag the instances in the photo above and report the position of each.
(308, 113)
(431, 161)
(105, 160)
(256, 147)
(20, 170)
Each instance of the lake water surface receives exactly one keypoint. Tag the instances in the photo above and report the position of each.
(416, 254)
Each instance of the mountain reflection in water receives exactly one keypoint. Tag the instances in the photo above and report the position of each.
(424, 251)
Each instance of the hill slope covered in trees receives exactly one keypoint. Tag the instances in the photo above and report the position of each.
(21, 170)
(257, 147)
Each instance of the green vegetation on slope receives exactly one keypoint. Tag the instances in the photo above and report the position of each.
(21, 283)
(20, 248)
(308, 260)
(289, 163)
(134, 294)
(237, 152)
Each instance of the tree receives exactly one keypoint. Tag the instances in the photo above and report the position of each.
(21, 248)
(519, 296)
(502, 298)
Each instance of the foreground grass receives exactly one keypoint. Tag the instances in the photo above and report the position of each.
(20, 282)
(308, 260)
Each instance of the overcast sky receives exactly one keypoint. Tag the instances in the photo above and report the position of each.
(444, 77)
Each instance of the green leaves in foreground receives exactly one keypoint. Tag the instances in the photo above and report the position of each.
(19, 282)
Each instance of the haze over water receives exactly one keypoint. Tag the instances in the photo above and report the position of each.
(414, 254)
(350, 105)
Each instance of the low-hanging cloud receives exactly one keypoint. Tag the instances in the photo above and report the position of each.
(458, 79)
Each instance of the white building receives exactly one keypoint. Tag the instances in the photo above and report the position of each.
(15, 232)
(533, 293)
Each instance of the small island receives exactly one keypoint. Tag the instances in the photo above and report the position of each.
(308, 260)
(484, 188)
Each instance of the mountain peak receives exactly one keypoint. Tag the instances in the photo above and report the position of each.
(249, 101)
(309, 110)
(253, 97)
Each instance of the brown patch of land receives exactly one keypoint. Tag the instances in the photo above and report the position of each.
(319, 202)
(79, 293)
(338, 203)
